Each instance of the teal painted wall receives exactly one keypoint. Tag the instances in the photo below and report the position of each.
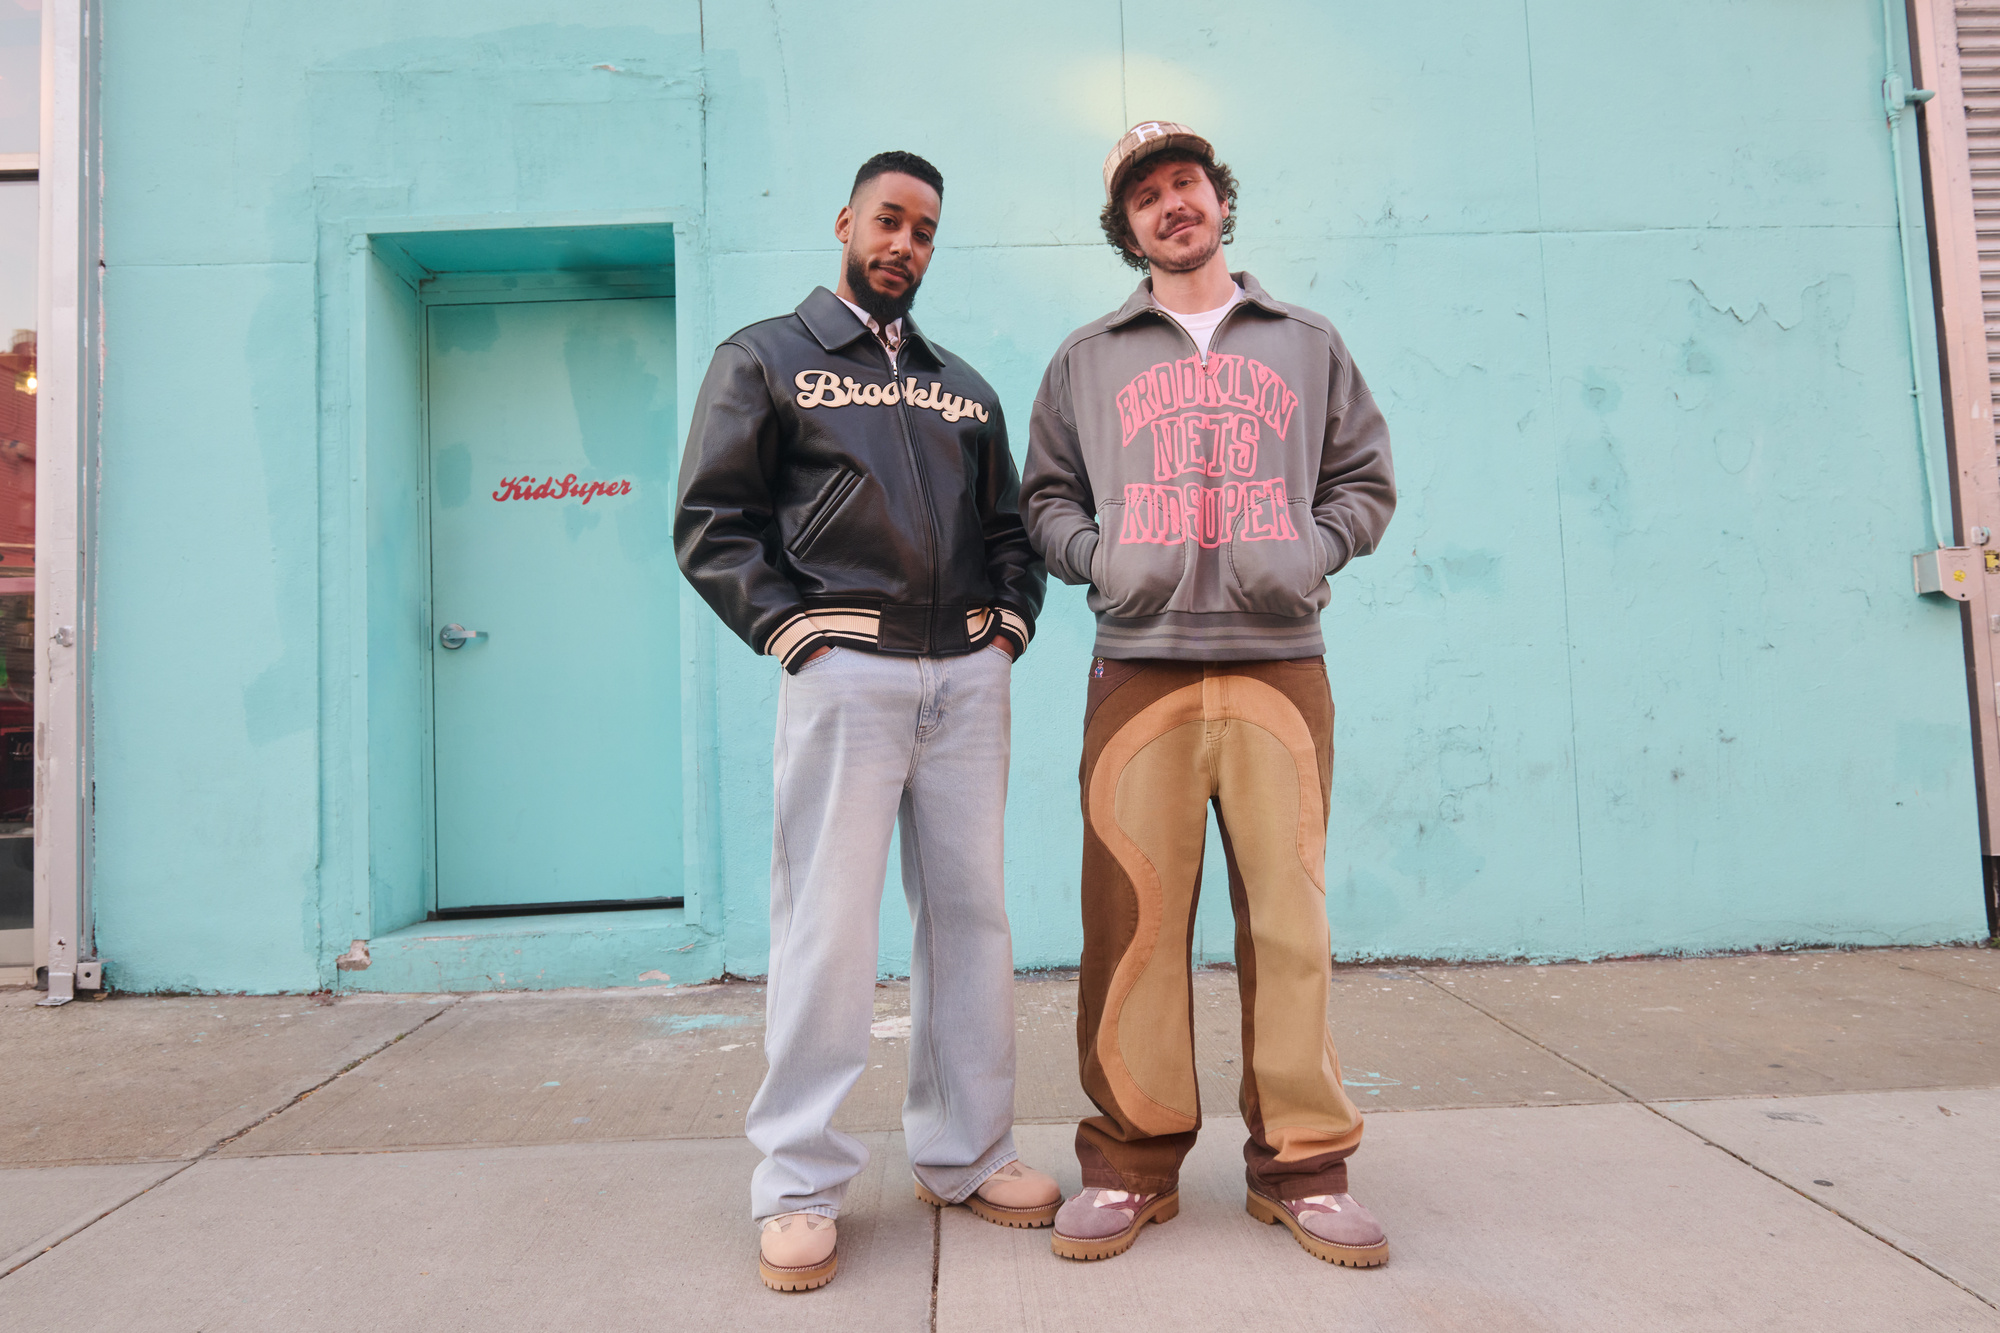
(1638, 668)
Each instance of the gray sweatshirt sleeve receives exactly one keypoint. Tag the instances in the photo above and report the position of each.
(1056, 500)
(1356, 490)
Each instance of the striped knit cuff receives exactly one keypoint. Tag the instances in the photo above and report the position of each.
(792, 641)
(802, 654)
(1015, 630)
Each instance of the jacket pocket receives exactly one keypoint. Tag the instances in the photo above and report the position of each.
(1133, 578)
(837, 493)
(1279, 577)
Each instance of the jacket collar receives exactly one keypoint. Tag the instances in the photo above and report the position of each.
(1142, 300)
(828, 319)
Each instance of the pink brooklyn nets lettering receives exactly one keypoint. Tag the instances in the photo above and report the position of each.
(1206, 422)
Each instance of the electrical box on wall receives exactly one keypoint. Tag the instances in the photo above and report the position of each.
(1949, 570)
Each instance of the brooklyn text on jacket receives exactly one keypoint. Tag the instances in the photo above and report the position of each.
(1229, 380)
(554, 488)
(823, 388)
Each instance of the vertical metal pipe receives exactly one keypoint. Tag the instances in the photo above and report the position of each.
(1894, 99)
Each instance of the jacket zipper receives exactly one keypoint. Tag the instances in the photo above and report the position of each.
(930, 504)
(1207, 358)
(1213, 334)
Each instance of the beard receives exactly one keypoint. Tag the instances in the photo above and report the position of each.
(886, 309)
(1188, 263)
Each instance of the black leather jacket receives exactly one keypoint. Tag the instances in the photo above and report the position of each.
(813, 511)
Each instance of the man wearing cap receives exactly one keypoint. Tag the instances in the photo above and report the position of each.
(848, 506)
(1204, 459)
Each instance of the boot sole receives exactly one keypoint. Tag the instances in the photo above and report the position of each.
(993, 1212)
(1163, 1209)
(1348, 1256)
(799, 1279)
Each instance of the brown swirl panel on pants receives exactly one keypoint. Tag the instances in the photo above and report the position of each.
(1242, 743)
(1159, 791)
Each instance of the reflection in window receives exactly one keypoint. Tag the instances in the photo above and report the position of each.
(18, 252)
(17, 581)
(20, 135)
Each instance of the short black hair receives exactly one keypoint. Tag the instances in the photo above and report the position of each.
(1118, 229)
(909, 164)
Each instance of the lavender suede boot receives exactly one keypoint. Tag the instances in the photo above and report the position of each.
(1332, 1227)
(1099, 1223)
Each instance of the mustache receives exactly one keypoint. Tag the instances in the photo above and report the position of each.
(1173, 221)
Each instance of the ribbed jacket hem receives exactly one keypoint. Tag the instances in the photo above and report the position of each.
(1225, 636)
(861, 627)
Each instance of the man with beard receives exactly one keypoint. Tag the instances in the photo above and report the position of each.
(848, 505)
(1205, 458)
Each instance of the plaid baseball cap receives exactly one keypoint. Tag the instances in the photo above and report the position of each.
(1142, 141)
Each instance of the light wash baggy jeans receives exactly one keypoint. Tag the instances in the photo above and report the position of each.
(865, 742)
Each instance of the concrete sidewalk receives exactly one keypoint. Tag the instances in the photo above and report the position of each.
(1790, 1141)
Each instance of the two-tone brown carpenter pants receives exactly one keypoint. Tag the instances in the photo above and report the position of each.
(1161, 742)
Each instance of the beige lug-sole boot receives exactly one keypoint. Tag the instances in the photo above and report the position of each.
(993, 1212)
(798, 1279)
(1163, 1209)
(1348, 1256)
(804, 1276)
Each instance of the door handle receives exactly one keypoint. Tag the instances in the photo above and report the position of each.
(457, 636)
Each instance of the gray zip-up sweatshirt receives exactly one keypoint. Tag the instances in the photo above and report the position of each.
(1206, 502)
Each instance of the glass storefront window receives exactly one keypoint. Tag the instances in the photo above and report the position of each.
(20, 109)
(20, 79)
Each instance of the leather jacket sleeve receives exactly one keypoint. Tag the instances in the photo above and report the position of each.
(725, 534)
(1012, 566)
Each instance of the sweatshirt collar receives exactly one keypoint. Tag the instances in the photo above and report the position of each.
(829, 320)
(1142, 300)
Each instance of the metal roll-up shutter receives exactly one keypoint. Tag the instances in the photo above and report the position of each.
(1978, 37)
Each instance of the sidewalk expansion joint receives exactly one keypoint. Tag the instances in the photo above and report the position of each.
(221, 1143)
(937, 1256)
(1644, 1104)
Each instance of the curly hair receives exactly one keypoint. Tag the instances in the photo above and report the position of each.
(1118, 230)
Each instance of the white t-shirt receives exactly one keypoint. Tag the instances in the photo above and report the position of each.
(1201, 327)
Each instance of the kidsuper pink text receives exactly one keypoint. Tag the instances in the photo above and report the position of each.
(1250, 511)
(554, 488)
